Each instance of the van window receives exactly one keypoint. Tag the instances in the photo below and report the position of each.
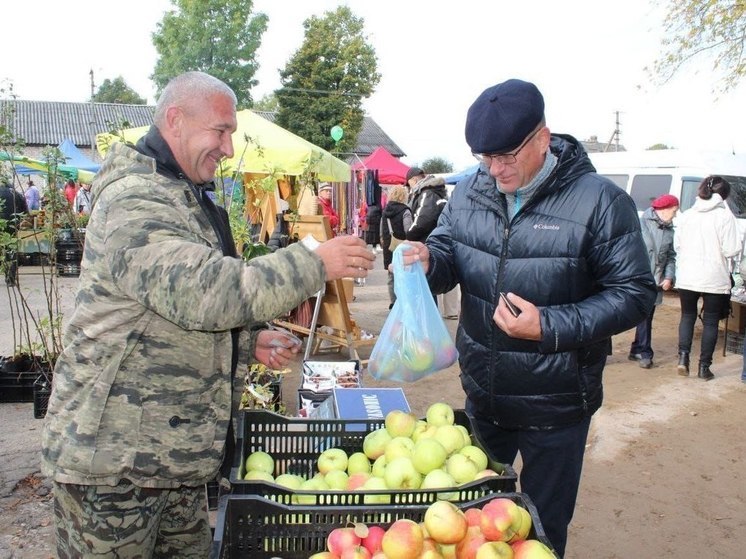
(646, 188)
(737, 199)
(689, 188)
(619, 180)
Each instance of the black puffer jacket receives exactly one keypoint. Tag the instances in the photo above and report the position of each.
(576, 252)
(427, 201)
(400, 217)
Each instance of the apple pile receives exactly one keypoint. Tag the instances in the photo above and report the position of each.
(407, 453)
(496, 531)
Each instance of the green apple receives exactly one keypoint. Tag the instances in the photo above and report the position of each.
(260, 461)
(336, 479)
(400, 423)
(313, 484)
(439, 413)
(476, 455)
(379, 466)
(399, 446)
(374, 443)
(255, 475)
(401, 474)
(440, 479)
(428, 454)
(375, 483)
(332, 459)
(426, 433)
(465, 433)
(450, 437)
(291, 481)
(358, 462)
(419, 427)
(462, 468)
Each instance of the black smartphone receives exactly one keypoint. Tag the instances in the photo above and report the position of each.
(515, 311)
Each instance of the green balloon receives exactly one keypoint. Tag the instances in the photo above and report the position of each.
(337, 133)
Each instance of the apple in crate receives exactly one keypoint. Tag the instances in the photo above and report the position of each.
(401, 474)
(337, 480)
(400, 423)
(332, 459)
(373, 541)
(260, 461)
(439, 413)
(428, 455)
(356, 552)
(374, 443)
(461, 468)
(445, 522)
(467, 548)
(340, 539)
(357, 463)
(398, 447)
(531, 549)
(501, 519)
(403, 540)
(450, 437)
(476, 455)
(495, 550)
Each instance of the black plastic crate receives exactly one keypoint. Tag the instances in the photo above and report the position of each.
(734, 343)
(42, 392)
(295, 445)
(252, 526)
(212, 489)
(17, 387)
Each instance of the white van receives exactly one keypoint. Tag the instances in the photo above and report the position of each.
(645, 175)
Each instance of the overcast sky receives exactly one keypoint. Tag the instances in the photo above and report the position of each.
(586, 56)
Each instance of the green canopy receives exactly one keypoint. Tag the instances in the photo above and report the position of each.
(261, 146)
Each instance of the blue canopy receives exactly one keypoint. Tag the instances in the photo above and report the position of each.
(75, 158)
(458, 177)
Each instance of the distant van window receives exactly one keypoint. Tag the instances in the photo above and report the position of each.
(689, 187)
(737, 199)
(646, 188)
(619, 180)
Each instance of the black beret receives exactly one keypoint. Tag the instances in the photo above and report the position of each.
(503, 116)
(414, 172)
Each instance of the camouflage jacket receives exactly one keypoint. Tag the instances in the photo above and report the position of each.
(142, 389)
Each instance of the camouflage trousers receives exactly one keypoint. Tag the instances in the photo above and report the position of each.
(127, 521)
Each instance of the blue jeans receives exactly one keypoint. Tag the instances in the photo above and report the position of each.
(743, 372)
(643, 341)
(552, 464)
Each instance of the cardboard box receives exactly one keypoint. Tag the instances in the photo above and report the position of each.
(361, 403)
(737, 322)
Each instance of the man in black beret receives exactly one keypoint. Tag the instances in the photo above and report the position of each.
(551, 264)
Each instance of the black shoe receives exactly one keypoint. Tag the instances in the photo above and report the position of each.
(634, 356)
(704, 372)
(683, 366)
(645, 362)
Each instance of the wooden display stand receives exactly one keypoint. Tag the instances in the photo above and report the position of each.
(331, 307)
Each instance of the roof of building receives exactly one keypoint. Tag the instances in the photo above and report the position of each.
(41, 123)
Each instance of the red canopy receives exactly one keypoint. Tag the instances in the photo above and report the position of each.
(390, 169)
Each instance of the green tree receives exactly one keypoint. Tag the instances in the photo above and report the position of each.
(219, 37)
(326, 80)
(267, 103)
(695, 27)
(437, 165)
(117, 91)
(659, 146)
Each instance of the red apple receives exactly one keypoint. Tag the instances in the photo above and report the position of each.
(356, 552)
(340, 539)
(531, 549)
(403, 540)
(467, 547)
(372, 542)
(445, 522)
(495, 550)
(357, 480)
(473, 516)
(501, 519)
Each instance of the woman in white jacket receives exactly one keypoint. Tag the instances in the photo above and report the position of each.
(706, 239)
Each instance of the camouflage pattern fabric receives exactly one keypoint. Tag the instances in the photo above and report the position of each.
(142, 389)
(127, 521)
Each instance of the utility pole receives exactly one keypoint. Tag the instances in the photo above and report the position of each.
(92, 119)
(93, 85)
(614, 135)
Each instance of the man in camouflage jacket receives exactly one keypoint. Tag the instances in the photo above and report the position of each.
(141, 404)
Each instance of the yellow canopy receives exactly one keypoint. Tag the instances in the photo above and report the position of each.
(261, 146)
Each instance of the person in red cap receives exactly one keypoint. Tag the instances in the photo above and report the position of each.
(657, 232)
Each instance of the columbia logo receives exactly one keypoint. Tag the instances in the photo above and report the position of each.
(546, 227)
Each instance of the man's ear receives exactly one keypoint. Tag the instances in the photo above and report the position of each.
(174, 119)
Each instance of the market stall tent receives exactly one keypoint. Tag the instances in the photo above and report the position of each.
(75, 158)
(390, 169)
(28, 166)
(261, 146)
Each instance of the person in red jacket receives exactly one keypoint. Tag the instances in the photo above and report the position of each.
(325, 201)
(70, 192)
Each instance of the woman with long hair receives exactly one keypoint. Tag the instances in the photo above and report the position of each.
(706, 239)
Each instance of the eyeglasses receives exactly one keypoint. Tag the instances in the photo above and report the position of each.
(505, 158)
